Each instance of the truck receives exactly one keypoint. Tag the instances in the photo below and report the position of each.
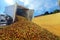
(16, 9)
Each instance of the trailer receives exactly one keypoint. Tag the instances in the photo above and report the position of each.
(16, 9)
